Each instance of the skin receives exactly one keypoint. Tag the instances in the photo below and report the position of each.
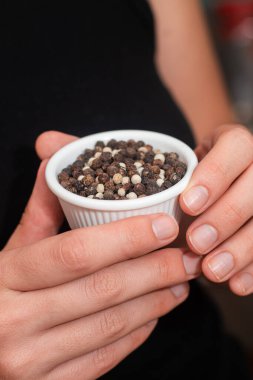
(70, 310)
(186, 62)
(187, 65)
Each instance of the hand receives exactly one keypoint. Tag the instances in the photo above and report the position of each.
(220, 194)
(81, 301)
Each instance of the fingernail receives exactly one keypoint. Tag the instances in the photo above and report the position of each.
(221, 265)
(245, 282)
(196, 198)
(180, 290)
(203, 237)
(164, 227)
(192, 263)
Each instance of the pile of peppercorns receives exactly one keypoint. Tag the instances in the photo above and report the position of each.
(122, 170)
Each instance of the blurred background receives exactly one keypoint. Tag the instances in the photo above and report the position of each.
(231, 24)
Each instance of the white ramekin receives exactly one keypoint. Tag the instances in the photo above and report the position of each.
(83, 212)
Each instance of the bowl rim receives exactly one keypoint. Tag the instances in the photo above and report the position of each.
(110, 205)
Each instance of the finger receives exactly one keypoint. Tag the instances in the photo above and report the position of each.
(242, 283)
(49, 142)
(102, 360)
(71, 340)
(114, 285)
(41, 218)
(77, 253)
(230, 156)
(231, 256)
(225, 217)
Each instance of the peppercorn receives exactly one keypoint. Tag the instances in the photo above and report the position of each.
(169, 172)
(122, 144)
(109, 185)
(63, 176)
(151, 188)
(81, 157)
(127, 186)
(131, 152)
(174, 178)
(65, 183)
(155, 169)
(68, 170)
(160, 181)
(121, 192)
(76, 173)
(88, 179)
(112, 143)
(91, 190)
(108, 195)
(122, 170)
(100, 144)
(79, 186)
(128, 161)
(149, 157)
(117, 178)
(97, 163)
(140, 143)
(89, 171)
(78, 164)
(173, 155)
(111, 170)
(88, 153)
(180, 171)
(135, 179)
(100, 188)
(103, 177)
(131, 195)
(167, 184)
(99, 171)
(105, 166)
(72, 189)
(106, 157)
(139, 188)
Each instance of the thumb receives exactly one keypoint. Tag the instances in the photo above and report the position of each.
(42, 216)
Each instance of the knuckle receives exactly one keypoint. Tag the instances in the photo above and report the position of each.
(164, 268)
(162, 304)
(112, 323)
(163, 271)
(13, 366)
(72, 254)
(132, 236)
(137, 337)
(242, 135)
(216, 167)
(106, 284)
(104, 359)
(13, 318)
(240, 132)
(235, 213)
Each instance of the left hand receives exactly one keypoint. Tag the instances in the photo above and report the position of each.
(220, 193)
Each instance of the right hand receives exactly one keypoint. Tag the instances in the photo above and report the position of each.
(79, 302)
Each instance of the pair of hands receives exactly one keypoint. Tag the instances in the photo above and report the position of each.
(79, 302)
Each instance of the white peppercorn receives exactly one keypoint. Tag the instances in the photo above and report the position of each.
(136, 179)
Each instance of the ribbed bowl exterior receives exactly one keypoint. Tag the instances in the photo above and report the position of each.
(83, 217)
(85, 212)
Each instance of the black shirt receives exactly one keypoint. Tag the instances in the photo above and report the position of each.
(83, 71)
